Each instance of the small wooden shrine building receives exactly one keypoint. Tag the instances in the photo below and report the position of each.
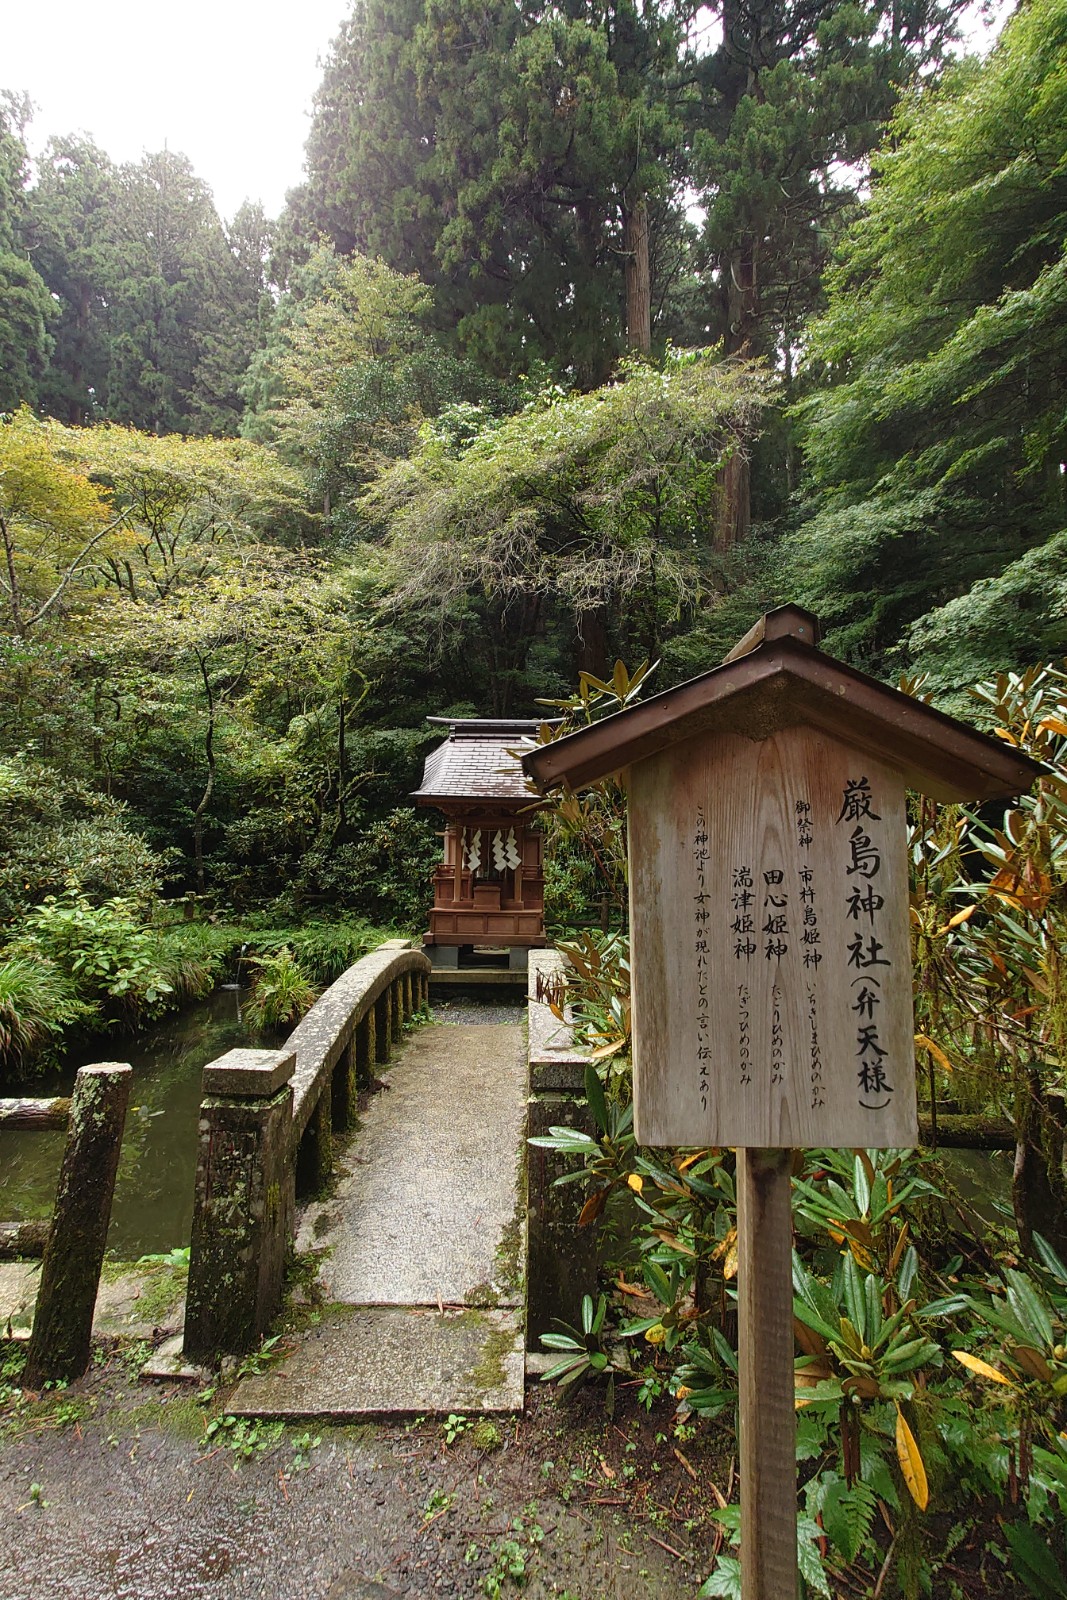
(489, 890)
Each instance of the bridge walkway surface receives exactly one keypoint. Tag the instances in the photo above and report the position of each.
(420, 1246)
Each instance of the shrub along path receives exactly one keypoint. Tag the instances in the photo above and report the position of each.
(422, 1243)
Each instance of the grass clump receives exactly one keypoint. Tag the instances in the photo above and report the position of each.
(37, 1003)
(323, 949)
(282, 992)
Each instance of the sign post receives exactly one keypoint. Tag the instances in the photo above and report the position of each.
(771, 972)
(766, 1412)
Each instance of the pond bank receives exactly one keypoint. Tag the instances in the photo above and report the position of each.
(153, 1203)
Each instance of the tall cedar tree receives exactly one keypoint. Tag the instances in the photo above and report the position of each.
(515, 159)
(532, 164)
(793, 98)
(156, 306)
(24, 302)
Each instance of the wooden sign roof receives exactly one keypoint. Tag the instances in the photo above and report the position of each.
(778, 678)
(475, 763)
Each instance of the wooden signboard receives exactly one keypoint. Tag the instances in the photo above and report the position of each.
(770, 958)
(772, 1002)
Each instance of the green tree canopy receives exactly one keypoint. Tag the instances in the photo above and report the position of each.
(24, 301)
(348, 371)
(582, 507)
(156, 305)
(936, 445)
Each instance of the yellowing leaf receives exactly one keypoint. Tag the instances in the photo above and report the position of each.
(911, 1463)
(809, 1341)
(1053, 725)
(925, 1043)
(635, 1181)
(811, 1379)
(983, 1369)
(603, 1051)
(592, 1208)
(954, 922)
(726, 1252)
(867, 1388)
(687, 1162)
(898, 1250)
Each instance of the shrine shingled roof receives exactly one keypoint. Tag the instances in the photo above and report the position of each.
(474, 762)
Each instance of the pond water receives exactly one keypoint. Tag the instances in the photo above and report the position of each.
(152, 1212)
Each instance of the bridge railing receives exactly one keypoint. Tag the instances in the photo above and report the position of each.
(267, 1120)
(72, 1244)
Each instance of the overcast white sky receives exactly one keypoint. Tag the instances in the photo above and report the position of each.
(227, 82)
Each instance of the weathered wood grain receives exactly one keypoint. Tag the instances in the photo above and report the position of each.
(754, 1025)
(20, 1241)
(30, 1115)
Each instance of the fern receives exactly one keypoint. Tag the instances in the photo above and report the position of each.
(847, 1513)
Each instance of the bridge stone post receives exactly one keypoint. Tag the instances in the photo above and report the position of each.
(314, 1161)
(366, 1053)
(561, 1264)
(383, 1026)
(243, 1202)
(345, 1088)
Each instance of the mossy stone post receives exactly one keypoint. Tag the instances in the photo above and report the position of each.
(561, 1263)
(396, 992)
(243, 1203)
(409, 1008)
(345, 1088)
(74, 1252)
(364, 1048)
(315, 1156)
(383, 1026)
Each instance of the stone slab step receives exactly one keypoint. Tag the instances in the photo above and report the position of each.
(426, 1209)
(365, 1361)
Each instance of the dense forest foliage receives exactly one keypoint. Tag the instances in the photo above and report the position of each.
(591, 332)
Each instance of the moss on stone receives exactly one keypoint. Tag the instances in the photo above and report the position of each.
(486, 1435)
(482, 1295)
(163, 1288)
(489, 1371)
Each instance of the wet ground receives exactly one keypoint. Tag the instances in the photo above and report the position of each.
(114, 1491)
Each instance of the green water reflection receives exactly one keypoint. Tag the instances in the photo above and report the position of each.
(154, 1193)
